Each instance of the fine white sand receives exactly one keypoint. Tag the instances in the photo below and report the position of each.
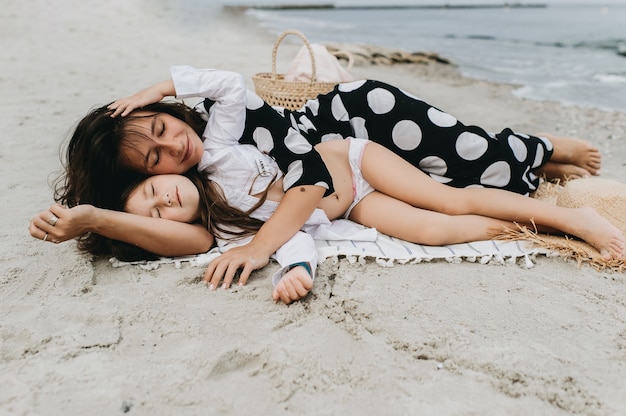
(78, 336)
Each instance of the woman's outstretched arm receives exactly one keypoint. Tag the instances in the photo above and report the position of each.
(159, 236)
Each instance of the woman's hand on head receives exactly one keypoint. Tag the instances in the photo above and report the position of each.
(246, 258)
(293, 286)
(154, 94)
(58, 223)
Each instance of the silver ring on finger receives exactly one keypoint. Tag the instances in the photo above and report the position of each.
(53, 220)
(45, 237)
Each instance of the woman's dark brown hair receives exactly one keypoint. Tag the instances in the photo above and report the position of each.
(94, 170)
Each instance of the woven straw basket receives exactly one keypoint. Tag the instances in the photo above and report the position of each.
(275, 91)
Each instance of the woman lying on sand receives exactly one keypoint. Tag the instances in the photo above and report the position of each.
(142, 134)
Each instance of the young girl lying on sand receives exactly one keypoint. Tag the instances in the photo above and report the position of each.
(376, 188)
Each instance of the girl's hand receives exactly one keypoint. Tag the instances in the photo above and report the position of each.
(154, 94)
(58, 224)
(294, 285)
(247, 258)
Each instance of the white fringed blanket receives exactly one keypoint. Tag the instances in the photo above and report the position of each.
(387, 251)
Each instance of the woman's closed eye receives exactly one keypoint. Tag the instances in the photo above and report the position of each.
(152, 159)
(157, 157)
(158, 132)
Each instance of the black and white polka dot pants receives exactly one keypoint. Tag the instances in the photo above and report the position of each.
(428, 138)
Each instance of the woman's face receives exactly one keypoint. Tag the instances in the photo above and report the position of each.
(173, 197)
(172, 146)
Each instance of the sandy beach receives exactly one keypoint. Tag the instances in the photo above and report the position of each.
(78, 336)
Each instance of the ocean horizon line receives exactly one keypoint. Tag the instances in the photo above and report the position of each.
(325, 6)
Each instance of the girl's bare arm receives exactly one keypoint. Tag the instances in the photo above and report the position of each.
(294, 209)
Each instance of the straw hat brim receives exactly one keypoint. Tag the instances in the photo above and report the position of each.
(606, 196)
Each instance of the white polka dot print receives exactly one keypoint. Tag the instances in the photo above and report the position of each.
(441, 119)
(518, 148)
(527, 176)
(380, 100)
(293, 121)
(314, 106)
(294, 173)
(538, 157)
(358, 125)
(433, 165)
(331, 136)
(547, 142)
(338, 109)
(296, 143)
(440, 179)
(323, 185)
(263, 139)
(471, 146)
(498, 174)
(407, 135)
(305, 124)
(351, 86)
(253, 101)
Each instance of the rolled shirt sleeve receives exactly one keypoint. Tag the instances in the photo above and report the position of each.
(299, 249)
(227, 89)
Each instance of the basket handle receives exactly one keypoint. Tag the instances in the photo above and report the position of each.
(306, 43)
(347, 55)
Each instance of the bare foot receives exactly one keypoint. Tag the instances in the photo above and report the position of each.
(562, 171)
(600, 233)
(575, 152)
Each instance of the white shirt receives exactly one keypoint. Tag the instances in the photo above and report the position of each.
(243, 170)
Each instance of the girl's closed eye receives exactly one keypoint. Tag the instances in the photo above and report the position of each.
(156, 209)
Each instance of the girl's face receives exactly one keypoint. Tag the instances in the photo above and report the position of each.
(163, 145)
(173, 197)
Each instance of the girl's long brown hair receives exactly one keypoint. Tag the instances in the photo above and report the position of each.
(222, 220)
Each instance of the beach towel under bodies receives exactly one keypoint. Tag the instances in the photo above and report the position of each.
(428, 138)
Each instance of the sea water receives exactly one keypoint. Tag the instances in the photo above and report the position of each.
(574, 54)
